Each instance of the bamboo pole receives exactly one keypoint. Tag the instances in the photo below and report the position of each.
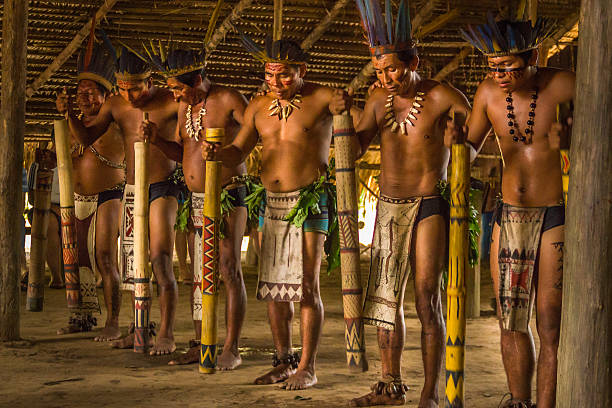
(210, 257)
(142, 284)
(38, 244)
(68, 220)
(454, 64)
(352, 290)
(457, 267)
(69, 50)
(277, 32)
(12, 112)
(227, 25)
(585, 347)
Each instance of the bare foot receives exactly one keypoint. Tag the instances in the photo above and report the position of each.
(162, 346)
(128, 342)
(381, 396)
(124, 343)
(300, 380)
(275, 375)
(109, 333)
(228, 361)
(191, 356)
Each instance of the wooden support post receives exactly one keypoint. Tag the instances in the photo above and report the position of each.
(277, 32)
(142, 280)
(352, 291)
(38, 243)
(12, 114)
(68, 219)
(585, 350)
(210, 256)
(457, 267)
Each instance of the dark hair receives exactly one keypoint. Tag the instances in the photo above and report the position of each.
(525, 56)
(405, 56)
(189, 78)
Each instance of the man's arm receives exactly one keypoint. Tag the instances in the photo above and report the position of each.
(238, 104)
(367, 128)
(478, 124)
(458, 103)
(87, 135)
(172, 150)
(245, 141)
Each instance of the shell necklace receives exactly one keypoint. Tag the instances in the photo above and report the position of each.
(410, 119)
(193, 131)
(283, 112)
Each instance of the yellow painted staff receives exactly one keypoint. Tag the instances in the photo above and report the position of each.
(352, 290)
(38, 245)
(142, 288)
(210, 256)
(457, 267)
(69, 242)
(562, 112)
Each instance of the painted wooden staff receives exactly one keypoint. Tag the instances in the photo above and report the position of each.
(68, 220)
(210, 256)
(457, 268)
(349, 241)
(562, 112)
(38, 245)
(142, 288)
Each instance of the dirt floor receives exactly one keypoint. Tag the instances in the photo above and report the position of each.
(46, 370)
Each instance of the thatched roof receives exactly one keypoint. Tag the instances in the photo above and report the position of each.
(338, 55)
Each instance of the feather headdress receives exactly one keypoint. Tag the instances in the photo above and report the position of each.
(513, 35)
(171, 62)
(97, 62)
(131, 67)
(280, 51)
(383, 37)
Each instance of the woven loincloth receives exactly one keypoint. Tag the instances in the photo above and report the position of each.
(390, 260)
(197, 216)
(519, 239)
(85, 210)
(281, 267)
(126, 247)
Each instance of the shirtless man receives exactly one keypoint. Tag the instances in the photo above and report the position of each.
(519, 100)
(137, 96)
(293, 122)
(99, 177)
(412, 218)
(208, 105)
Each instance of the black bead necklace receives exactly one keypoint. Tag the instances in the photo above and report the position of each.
(514, 129)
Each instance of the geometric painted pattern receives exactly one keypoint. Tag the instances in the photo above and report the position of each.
(210, 260)
(208, 356)
(70, 257)
(279, 292)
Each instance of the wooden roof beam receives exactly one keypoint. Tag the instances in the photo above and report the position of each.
(327, 21)
(567, 29)
(69, 50)
(454, 64)
(227, 25)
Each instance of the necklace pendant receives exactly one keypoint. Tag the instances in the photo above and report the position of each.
(416, 104)
(403, 128)
(394, 127)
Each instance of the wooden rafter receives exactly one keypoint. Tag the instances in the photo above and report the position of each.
(454, 64)
(327, 21)
(68, 51)
(227, 25)
(567, 32)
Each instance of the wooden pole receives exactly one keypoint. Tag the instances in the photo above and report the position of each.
(68, 220)
(210, 256)
(142, 284)
(38, 243)
(352, 290)
(453, 65)
(585, 351)
(277, 32)
(325, 23)
(457, 267)
(227, 25)
(12, 114)
(69, 50)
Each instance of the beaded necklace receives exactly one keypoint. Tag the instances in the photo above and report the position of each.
(514, 129)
